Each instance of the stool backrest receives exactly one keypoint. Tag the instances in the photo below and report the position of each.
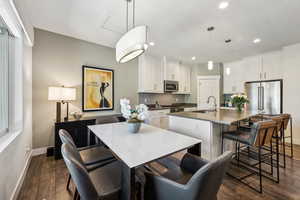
(286, 119)
(264, 132)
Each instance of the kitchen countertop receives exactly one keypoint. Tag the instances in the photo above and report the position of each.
(222, 116)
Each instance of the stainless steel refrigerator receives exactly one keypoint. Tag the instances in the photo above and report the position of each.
(265, 96)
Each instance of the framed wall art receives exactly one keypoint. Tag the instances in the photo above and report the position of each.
(97, 89)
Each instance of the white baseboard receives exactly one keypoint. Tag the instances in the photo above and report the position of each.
(20, 181)
(39, 151)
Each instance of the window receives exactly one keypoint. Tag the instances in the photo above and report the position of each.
(4, 95)
(11, 79)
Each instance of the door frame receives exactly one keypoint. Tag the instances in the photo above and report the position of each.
(212, 77)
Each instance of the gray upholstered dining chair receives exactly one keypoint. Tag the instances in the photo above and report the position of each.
(103, 183)
(191, 179)
(92, 156)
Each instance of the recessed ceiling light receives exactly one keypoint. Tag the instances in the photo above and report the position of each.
(223, 5)
(194, 58)
(257, 40)
(151, 43)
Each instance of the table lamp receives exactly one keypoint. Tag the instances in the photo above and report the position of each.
(61, 95)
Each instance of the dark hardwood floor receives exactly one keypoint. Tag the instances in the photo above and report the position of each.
(46, 180)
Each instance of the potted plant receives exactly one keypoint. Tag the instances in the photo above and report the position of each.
(135, 116)
(239, 101)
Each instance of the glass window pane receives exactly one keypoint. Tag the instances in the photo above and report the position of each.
(4, 62)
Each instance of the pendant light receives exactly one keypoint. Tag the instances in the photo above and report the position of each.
(210, 64)
(134, 42)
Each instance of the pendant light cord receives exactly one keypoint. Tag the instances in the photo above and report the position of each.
(127, 2)
(133, 14)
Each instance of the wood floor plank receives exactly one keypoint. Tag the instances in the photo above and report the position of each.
(46, 180)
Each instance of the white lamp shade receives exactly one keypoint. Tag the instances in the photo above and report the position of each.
(132, 44)
(61, 94)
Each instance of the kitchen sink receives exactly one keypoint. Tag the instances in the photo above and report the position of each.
(204, 111)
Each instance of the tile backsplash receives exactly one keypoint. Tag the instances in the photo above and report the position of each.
(163, 99)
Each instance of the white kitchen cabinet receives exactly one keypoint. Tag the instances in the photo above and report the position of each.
(262, 67)
(234, 81)
(252, 68)
(184, 79)
(271, 66)
(150, 74)
(171, 69)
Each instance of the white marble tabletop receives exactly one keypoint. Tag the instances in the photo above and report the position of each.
(136, 149)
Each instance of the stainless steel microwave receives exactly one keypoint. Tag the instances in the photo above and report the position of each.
(171, 86)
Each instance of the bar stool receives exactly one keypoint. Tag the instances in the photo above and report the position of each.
(282, 120)
(253, 140)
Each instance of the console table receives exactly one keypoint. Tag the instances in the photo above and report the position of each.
(79, 132)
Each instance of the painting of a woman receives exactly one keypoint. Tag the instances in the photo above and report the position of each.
(98, 91)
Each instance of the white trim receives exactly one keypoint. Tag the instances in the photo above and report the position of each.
(8, 138)
(20, 181)
(9, 18)
(39, 151)
(30, 42)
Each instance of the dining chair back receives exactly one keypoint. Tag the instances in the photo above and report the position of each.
(204, 184)
(79, 173)
(65, 137)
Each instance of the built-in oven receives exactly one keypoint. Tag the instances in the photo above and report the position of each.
(171, 86)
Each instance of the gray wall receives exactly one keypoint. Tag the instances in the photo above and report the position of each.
(15, 156)
(58, 60)
(202, 70)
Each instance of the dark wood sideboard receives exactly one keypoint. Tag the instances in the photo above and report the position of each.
(79, 132)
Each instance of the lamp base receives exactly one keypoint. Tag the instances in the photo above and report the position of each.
(58, 112)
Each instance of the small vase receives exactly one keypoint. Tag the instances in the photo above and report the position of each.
(134, 127)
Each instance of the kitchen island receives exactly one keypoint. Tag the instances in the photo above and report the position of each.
(208, 126)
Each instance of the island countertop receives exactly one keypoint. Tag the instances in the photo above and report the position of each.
(221, 116)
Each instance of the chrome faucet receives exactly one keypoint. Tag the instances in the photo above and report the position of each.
(215, 101)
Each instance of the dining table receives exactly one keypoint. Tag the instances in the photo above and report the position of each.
(135, 150)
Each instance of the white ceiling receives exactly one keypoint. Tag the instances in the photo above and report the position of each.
(178, 28)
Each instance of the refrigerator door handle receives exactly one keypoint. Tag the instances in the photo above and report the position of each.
(263, 98)
(258, 99)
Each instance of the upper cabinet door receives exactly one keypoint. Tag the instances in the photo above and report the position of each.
(184, 79)
(150, 74)
(272, 66)
(171, 70)
(234, 77)
(157, 75)
(252, 68)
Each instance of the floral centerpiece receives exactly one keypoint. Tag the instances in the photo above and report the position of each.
(134, 115)
(239, 101)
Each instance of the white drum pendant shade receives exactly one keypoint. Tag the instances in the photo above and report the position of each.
(132, 44)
